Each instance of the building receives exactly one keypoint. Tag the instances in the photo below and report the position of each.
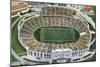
(47, 50)
(17, 7)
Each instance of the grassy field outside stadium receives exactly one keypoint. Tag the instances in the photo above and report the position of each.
(14, 19)
(93, 46)
(15, 44)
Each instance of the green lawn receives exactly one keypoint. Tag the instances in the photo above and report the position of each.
(56, 34)
(14, 19)
(15, 44)
(93, 46)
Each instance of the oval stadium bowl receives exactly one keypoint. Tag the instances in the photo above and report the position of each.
(55, 34)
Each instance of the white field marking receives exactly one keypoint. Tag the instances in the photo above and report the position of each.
(92, 53)
(93, 32)
(15, 22)
(30, 58)
(92, 41)
(83, 33)
(21, 53)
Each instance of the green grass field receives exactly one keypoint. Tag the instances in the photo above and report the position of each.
(93, 46)
(14, 19)
(57, 34)
(15, 44)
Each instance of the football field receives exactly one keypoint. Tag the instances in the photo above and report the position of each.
(57, 35)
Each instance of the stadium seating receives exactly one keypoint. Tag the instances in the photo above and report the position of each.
(53, 16)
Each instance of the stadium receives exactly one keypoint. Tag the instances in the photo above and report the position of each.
(55, 34)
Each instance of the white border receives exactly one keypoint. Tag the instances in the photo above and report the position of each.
(5, 34)
(87, 2)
